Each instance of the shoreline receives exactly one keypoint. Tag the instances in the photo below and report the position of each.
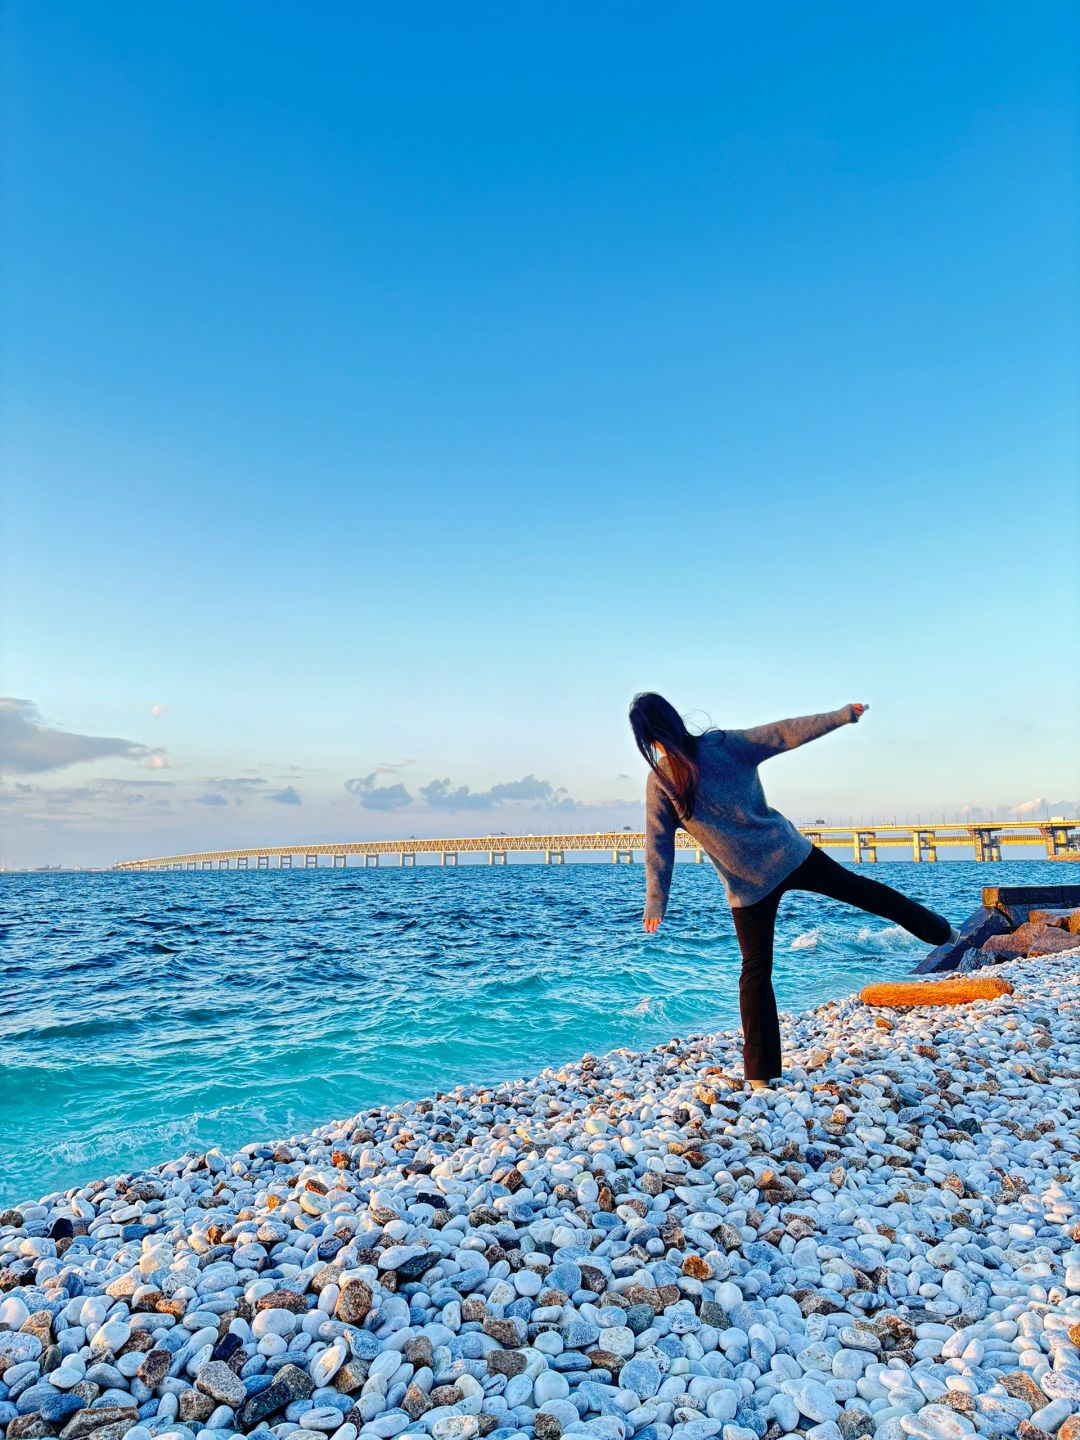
(620, 1246)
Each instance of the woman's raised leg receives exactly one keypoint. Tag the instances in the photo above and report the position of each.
(821, 874)
(754, 927)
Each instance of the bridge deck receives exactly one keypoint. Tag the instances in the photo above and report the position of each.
(1057, 837)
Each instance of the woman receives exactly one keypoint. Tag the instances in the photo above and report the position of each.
(708, 784)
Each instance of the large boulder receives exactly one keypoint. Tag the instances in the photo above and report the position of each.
(1058, 918)
(1018, 943)
(1065, 918)
(1004, 948)
(975, 931)
(1053, 941)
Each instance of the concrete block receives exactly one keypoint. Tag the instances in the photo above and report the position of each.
(1035, 897)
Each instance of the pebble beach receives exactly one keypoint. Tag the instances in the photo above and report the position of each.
(887, 1245)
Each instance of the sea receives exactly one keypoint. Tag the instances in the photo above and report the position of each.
(144, 1015)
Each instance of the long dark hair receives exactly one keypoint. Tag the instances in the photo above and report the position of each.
(655, 721)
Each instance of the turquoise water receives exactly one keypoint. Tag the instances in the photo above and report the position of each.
(142, 1015)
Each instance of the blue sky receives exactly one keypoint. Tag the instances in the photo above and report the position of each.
(393, 392)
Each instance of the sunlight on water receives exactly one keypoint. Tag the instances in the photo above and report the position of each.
(144, 1015)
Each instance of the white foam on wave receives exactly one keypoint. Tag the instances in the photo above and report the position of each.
(159, 1135)
(808, 940)
(890, 934)
(128, 1141)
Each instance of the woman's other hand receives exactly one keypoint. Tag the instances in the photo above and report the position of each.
(858, 710)
(651, 924)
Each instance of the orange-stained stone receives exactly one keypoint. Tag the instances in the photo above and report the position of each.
(957, 990)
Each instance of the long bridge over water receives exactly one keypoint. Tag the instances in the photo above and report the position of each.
(1059, 839)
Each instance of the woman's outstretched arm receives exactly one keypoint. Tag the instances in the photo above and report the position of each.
(766, 740)
(661, 822)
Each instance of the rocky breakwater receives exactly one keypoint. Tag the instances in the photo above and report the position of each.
(1020, 921)
(888, 1245)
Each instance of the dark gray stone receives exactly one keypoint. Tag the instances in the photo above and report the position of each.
(87, 1420)
(417, 1265)
(221, 1384)
(290, 1383)
(944, 957)
(226, 1347)
(29, 1427)
(974, 933)
(639, 1318)
(972, 960)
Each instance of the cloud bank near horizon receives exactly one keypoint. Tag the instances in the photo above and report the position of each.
(52, 817)
(444, 796)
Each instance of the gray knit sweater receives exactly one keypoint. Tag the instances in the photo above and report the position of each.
(752, 846)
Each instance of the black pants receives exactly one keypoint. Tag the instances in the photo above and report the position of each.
(754, 926)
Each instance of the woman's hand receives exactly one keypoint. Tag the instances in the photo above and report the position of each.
(651, 924)
(858, 710)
